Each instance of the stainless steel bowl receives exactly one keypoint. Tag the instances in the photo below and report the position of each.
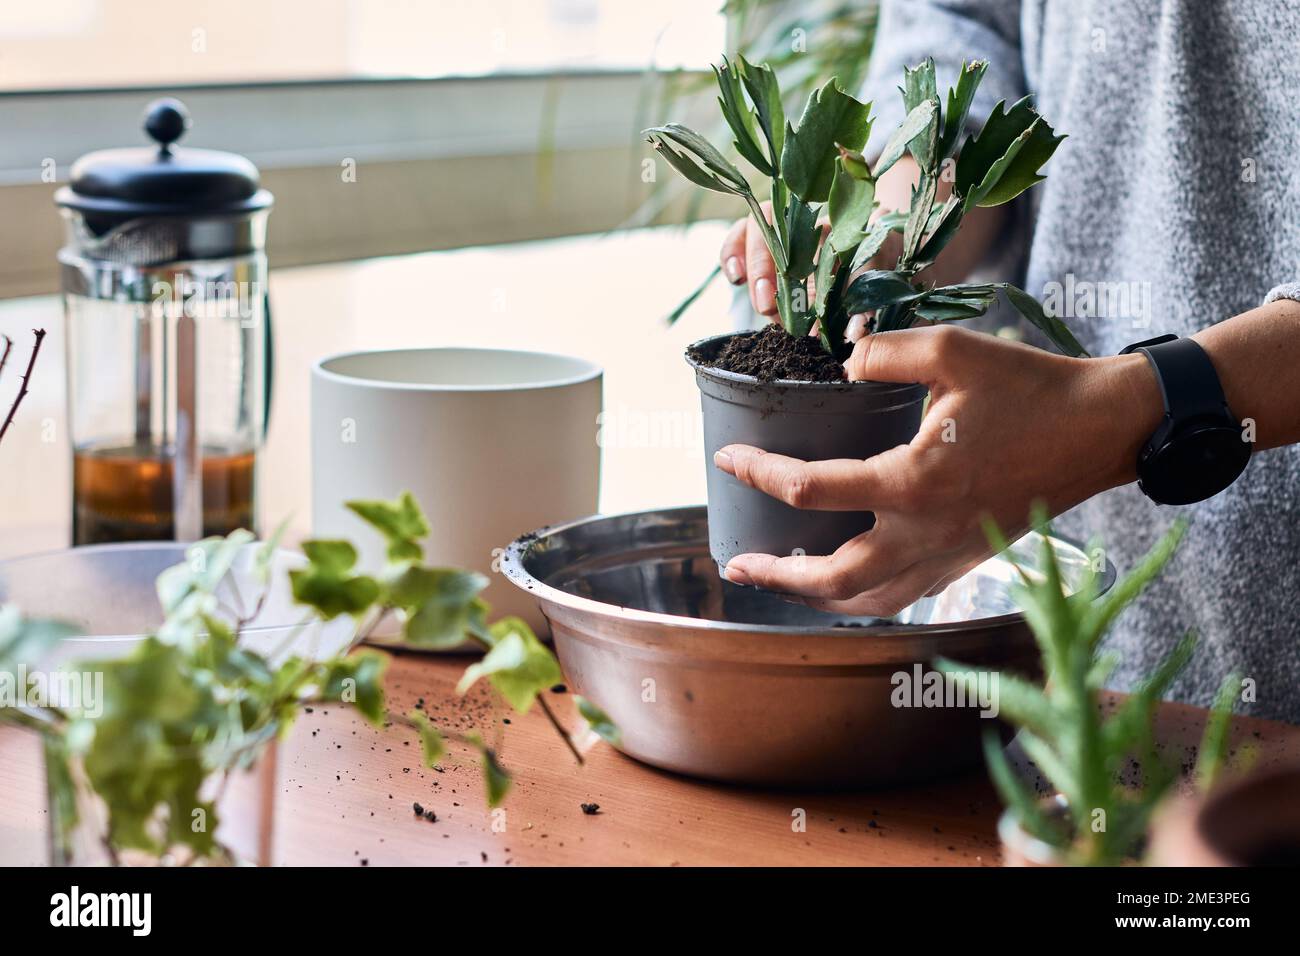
(732, 683)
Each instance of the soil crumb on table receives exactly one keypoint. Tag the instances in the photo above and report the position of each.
(773, 354)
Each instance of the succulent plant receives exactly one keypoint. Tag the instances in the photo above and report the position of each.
(1062, 728)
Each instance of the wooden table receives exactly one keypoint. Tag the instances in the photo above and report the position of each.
(346, 793)
(345, 790)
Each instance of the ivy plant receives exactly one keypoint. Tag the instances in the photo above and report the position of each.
(819, 182)
(1062, 728)
(192, 703)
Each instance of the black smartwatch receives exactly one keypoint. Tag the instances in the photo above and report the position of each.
(1199, 449)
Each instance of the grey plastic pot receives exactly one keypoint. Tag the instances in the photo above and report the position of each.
(808, 420)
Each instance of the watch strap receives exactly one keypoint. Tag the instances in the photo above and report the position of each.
(1188, 382)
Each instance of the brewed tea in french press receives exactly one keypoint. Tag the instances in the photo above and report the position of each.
(164, 288)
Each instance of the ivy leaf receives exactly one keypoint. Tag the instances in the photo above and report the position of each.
(832, 120)
(439, 604)
(144, 750)
(519, 666)
(358, 679)
(960, 98)
(401, 522)
(740, 117)
(598, 721)
(850, 205)
(326, 584)
(206, 564)
(915, 123)
(431, 743)
(495, 778)
(877, 288)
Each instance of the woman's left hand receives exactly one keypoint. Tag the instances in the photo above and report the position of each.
(1008, 426)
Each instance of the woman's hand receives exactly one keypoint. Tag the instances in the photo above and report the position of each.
(745, 258)
(1008, 425)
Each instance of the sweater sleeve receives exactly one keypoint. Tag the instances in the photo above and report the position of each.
(950, 31)
(1288, 290)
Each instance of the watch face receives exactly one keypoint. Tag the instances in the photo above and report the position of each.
(1196, 463)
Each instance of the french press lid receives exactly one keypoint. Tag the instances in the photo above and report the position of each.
(112, 186)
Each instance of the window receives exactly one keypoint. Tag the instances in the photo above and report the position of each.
(437, 104)
(96, 44)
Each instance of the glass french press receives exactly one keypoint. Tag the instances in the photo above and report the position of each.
(168, 331)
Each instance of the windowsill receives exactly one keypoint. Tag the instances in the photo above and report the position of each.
(368, 168)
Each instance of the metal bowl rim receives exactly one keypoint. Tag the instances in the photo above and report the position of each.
(513, 567)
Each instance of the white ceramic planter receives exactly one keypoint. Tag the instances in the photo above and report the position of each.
(492, 443)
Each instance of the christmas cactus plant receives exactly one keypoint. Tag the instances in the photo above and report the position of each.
(825, 235)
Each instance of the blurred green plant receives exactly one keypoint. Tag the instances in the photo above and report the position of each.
(1061, 726)
(190, 706)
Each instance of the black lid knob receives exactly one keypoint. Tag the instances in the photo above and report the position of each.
(112, 186)
(166, 120)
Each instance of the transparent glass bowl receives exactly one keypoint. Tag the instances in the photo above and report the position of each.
(107, 592)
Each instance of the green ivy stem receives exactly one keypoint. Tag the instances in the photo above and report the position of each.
(216, 706)
(564, 734)
(484, 640)
(402, 720)
(242, 622)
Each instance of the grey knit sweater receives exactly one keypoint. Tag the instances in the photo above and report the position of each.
(1168, 208)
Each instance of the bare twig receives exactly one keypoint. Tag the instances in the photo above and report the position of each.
(22, 391)
(4, 358)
